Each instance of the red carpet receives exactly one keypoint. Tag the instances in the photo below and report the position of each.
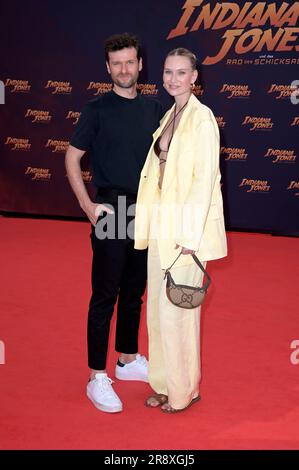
(249, 388)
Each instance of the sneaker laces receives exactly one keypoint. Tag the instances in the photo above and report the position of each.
(104, 383)
(141, 360)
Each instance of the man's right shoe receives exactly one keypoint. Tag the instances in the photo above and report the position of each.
(100, 391)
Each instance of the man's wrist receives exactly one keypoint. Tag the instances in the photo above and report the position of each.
(85, 205)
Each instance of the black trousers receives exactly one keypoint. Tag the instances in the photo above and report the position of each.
(118, 272)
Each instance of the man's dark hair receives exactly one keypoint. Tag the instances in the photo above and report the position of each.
(117, 42)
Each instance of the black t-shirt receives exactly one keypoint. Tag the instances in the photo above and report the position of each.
(118, 133)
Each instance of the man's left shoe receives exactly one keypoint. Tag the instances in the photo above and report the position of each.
(135, 370)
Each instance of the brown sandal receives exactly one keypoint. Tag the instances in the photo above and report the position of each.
(174, 410)
(154, 401)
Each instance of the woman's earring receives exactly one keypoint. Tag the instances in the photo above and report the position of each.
(192, 86)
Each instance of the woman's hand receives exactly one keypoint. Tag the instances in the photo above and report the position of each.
(185, 251)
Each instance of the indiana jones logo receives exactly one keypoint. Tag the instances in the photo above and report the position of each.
(236, 20)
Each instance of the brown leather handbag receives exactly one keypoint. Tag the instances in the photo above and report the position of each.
(186, 296)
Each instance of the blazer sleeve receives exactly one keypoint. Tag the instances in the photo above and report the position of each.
(205, 171)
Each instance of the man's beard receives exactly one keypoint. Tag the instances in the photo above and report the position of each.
(125, 84)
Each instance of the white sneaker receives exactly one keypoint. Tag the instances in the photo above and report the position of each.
(135, 370)
(101, 393)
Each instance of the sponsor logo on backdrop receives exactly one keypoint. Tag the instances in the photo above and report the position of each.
(236, 91)
(220, 121)
(41, 174)
(281, 91)
(18, 86)
(74, 115)
(281, 155)
(39, 116)
(257, 27)
(87, 176)
(198, 90)
(294, 186)
(295, 121)
(18, 144)
(57, 146)
(255, 186)
(99, 88)
(59, 88)
(258, 123)
(147, 89)
(234, 154)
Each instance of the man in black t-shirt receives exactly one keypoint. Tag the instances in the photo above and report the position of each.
(117, 130)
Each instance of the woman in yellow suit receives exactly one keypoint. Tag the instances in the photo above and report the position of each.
(179, 208)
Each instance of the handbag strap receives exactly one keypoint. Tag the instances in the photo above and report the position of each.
(208, 281)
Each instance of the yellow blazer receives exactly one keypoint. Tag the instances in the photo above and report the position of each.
(191, 207)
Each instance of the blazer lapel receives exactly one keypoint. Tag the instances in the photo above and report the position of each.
(154, 167)
(170, 166)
